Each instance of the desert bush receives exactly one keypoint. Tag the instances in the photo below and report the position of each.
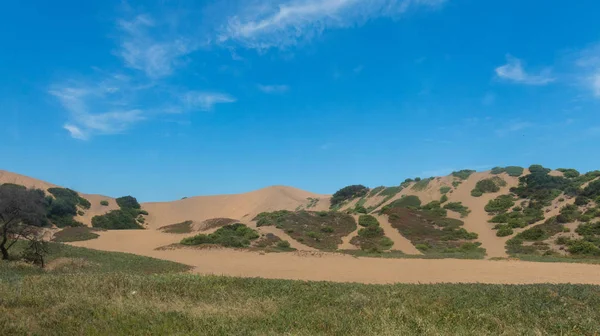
(444, 198)
(476, 193)
(568, 214)
(232, 235)
(562, 240)
(536, 168)
(348, 193)
(500, 204)
(104, 203)
(456, 183)
(327, 229)
(463, 174)
(360, 209)
(80, 213)
(457, 207)
(569, 172)
(421, 184)
(582, 247)
(497, 170)
(128, 202)
(514, 171)
(376, 191)
(283, 244)
(445, 189)
(410, 201)
(504, 231)
(371, 231)
(367, 220)
(391, 191)
(117, 220)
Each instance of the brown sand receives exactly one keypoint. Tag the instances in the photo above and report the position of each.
(343, 268)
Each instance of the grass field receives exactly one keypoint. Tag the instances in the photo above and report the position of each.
(119, 293)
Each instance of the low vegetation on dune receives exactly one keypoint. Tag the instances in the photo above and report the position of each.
(73, 234)
(430, 231)
(216, 223)
(421, 184)
(489, 185)
(64, 206)
(387, 194)
(322, 230)
(272, 243)
(232, 235)
(458, 207)
(130, 216)
(463, 174)
(513, 171)
(371, 237)
(178, 228)
(346, 194)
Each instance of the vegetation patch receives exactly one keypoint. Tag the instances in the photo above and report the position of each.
(367, 220)
(129, 217)
(463, 174)
(445, 189)
(272, 243)
(500, 204)
(518, 217)
(536, 234)
(348, 193)
(73, 234)
(233, 235)
(421, 184)
(569, 172)
(409, 201)
(434, 234)
(62, 208)
(372, 239)
(376, 191)
(489, 185)
(513, 171)
(312, 202)
(322, 230)
(104, 203)
(388, 194)
(458, 207)
(178, 228)
(216, 222)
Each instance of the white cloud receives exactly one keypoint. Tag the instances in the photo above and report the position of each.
(284, 23)
(596, 84)
(93, 112)
(589, 60)
(141, 47)
(205, 101)
(513, 71)
(273, 88)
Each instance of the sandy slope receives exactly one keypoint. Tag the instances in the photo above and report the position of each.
(400, 242)
(241, 206)
(342, 268)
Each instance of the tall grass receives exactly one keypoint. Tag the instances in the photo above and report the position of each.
(119, 304)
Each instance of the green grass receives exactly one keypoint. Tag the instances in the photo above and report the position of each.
(97, 262)
(73, 234)
(232, 235)
(422, 184)
(458, 207)
(323, 230)
(463, 174)
(178, 228)
(117, 304)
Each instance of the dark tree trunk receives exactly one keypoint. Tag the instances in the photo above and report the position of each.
(4, 250)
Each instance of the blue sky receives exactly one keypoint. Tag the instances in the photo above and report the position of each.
(168, 99)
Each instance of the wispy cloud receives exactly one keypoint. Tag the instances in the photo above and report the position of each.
(142, 48)
(283, 23)
(589, 60)
(513, 71)
(84, 122)
(513, 126)
(273, 88)
(205, 101)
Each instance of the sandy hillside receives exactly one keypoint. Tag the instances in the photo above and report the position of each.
(243, 207)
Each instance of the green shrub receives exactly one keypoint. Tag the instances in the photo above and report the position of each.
(232, 235)
(536, 168)
(497, 170)
(371, 231)
(457, 207)
(283, 244)
(348, 193)
(360, 209)
(391, 191)
(445, 189)
(500, 204)
(582, 247)
(367, 220)
(456, 183)
(422, 247)
(504, 231)
(327, 229)
(421, 184)
(514, 171)
(569, 172)
(444, 198)
(104, 203)
(128, 202)
(568, 214)
(117, 220)
(411, 201)
(313, 235)
(562, 240)
(80, 213)
(463, 174)
(476, 193)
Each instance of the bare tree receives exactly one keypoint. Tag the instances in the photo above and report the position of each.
(22, 213)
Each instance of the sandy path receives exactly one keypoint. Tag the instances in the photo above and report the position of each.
(343, 268)
(477, 220)
(400, 242)
(345, 245)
